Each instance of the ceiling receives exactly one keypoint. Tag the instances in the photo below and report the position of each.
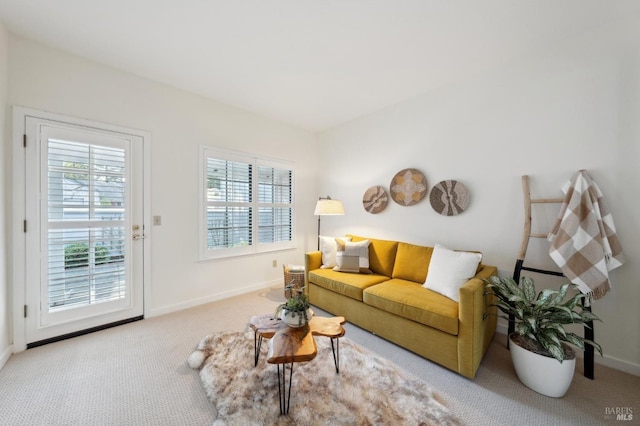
(311, 63)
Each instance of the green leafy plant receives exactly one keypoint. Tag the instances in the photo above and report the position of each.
(77, 255)
(297, 304)
(541, 318)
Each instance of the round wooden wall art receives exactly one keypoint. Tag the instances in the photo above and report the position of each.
(375, 199)
(408, 187)
(449, 197)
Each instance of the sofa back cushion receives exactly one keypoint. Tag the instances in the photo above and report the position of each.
(382, 254)
(412, 262)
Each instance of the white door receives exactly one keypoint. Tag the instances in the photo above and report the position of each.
(84, 228)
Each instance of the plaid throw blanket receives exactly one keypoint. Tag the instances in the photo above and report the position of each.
(583, 239)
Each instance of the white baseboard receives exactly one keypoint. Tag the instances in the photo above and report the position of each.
(617, 364)
(5, 355)
(211, 298)
(606, 360)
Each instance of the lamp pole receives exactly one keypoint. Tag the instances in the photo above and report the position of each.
(318, 232)
(320, 214)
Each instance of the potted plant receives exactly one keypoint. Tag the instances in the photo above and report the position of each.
(541, 357)
(296, 310)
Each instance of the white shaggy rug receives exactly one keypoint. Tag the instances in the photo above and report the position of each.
(369, 390)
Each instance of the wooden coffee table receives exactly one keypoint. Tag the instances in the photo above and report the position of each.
(288, 345)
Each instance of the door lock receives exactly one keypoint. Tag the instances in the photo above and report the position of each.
(136, 236)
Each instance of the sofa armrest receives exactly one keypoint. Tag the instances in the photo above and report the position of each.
(477, 324)
(312, 260)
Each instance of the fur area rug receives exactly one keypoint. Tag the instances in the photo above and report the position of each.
(369, 390)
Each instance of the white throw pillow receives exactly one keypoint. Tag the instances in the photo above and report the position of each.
(449, 270)
(329, 247)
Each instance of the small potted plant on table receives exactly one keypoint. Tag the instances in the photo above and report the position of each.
(296, 310)
(540, 356)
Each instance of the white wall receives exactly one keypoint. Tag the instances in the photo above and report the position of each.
(5, 322)
(48, 79)
(574, 106)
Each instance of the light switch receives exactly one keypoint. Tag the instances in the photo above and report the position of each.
(157, 221)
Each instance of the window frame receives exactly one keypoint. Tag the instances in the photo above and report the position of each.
(204, 252)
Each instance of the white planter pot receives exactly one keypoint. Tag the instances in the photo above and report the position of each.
(292, 318)
(540, 373)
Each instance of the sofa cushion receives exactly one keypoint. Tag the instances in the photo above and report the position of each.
(449, 270)
(412, 301)
(382, 254)
(412, 262)
(329, 247)
(350, 285)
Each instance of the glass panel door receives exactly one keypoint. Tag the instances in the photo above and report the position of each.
(89, 268)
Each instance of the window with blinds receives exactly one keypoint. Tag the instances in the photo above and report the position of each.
(85, 221)
(248, 204)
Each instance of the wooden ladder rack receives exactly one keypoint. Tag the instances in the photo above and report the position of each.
(588, 330)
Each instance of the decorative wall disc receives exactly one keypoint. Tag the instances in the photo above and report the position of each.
(408, 187)
(449, 197)
(375, 199)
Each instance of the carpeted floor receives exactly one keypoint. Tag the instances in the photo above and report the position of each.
(137, 374)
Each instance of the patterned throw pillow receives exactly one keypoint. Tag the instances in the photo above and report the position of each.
(329, 247)
(347, 251)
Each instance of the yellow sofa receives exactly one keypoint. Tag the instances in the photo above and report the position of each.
(392, 303)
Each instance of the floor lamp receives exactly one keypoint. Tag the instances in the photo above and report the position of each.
(327, 207)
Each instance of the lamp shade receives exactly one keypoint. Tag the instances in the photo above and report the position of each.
(328, 207)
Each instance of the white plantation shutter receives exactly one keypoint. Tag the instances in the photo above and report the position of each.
(85, 224)
(229, 204)
(248, 204)
(274, 204)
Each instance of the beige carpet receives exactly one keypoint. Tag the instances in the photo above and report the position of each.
(369, 390)
(136, 374)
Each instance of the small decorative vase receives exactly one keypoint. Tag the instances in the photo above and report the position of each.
(295, 318)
